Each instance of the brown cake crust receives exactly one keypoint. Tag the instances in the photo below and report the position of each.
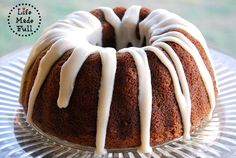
(77, 122)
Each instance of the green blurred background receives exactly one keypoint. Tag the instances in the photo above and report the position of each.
(216, 19)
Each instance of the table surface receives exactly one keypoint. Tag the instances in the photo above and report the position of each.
(216, 19)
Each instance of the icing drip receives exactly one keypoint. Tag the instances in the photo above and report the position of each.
(52, 55)
(184, 86)
(81, 33)
(108, 57)
(113, 19)
(191, 49)
(128, 28)
(158, 22)
(63, 36)
(68, 75)
(145, 95)
(182, 100)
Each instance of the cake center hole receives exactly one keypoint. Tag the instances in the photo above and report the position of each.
(109, 39)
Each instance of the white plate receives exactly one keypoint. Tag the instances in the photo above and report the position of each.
(217, 138)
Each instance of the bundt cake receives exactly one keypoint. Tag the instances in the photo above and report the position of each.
(119, 78)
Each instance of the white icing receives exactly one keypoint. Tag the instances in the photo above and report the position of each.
(145, 95)
(108, 57)
(172, 21)
(82, 33)
(52, 55)
(128, 28)
(182, 100)
(191, 49)
(184, 86)
(68, 75)
(113, 19)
